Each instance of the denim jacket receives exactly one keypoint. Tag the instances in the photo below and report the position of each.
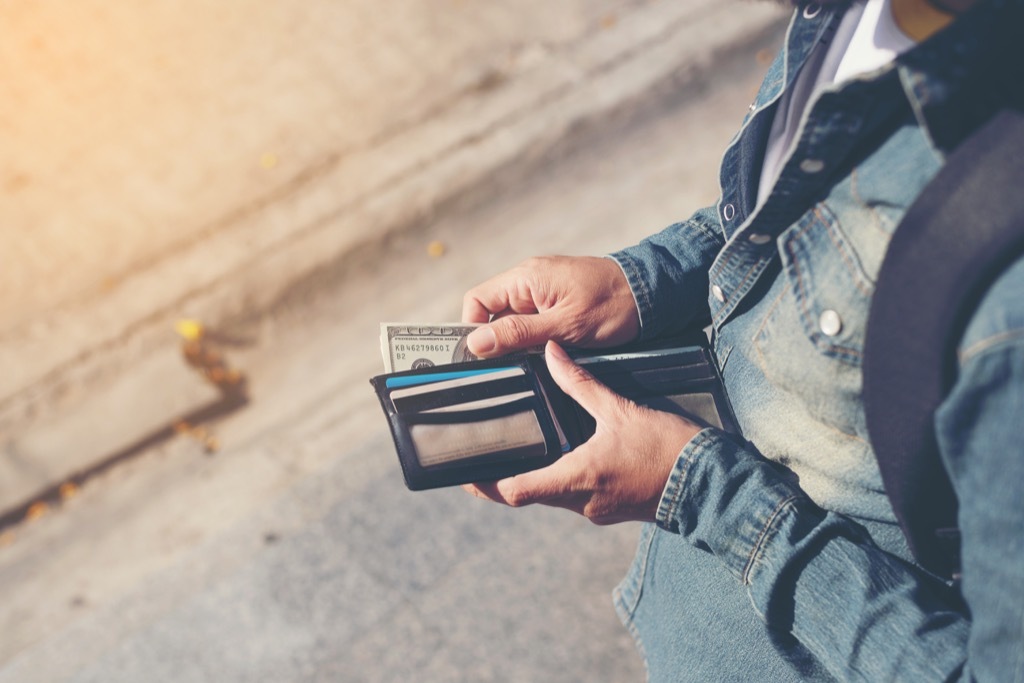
(777, 556)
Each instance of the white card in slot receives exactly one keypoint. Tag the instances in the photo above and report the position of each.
(482, 403)
(398, 394)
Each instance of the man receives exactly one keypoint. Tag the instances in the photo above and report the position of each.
(778, 557)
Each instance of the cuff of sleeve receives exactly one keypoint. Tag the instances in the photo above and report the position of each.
(668, 514)
(641, 293)
(725, 498)
(668, 275)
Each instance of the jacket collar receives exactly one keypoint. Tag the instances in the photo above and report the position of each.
(956, 79)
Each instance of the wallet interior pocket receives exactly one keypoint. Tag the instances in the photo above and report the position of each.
(497, 431)
(483, 423)
(683, 382)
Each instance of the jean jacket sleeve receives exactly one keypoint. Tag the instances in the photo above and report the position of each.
(668, 273)
(864, 613)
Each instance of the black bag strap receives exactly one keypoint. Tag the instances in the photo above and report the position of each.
(964, 229)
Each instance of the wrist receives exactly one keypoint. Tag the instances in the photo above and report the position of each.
(627, 305)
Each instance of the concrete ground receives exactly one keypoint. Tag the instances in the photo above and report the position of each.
(294, 552)
(138, 127)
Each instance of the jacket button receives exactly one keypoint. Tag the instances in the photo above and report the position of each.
(728, 212)
(830, 323)
(812, 10)
(759, 238)
(717, 292)
(812, 165)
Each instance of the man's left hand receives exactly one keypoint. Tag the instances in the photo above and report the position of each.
(616, 476)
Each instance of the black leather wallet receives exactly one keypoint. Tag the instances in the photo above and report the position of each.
(489, 419)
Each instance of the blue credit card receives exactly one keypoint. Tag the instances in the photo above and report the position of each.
(414, 380)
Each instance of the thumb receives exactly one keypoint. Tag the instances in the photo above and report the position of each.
(580, 385)
(511, 333)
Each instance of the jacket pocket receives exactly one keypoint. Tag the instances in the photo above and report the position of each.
(811, 341)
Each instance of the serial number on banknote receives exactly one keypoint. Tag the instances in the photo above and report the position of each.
(423, 348)
(407, 346)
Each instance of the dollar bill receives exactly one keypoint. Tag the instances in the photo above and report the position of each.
(405, 346)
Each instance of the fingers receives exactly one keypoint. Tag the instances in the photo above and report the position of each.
(578, 300)
(594, 397)
(503, 298)
(475, 310)
(510, 333)
(553, 484)
(503, 292)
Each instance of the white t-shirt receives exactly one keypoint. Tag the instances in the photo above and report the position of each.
(866, 39)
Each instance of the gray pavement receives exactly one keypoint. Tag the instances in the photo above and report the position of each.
(294, 553)
(197, 167)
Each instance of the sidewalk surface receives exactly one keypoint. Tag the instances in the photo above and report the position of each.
(142, 132)
(173, 159)
(279, 173)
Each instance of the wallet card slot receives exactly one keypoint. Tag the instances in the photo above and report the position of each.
(442, 397)
(613, 367)
(482, 403)
(674, 358)
(454, 414)
(425, 382)
(656, 381)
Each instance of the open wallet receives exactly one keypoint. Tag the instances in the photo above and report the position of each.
(490, 419)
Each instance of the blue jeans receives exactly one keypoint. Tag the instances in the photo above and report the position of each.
(727, 644)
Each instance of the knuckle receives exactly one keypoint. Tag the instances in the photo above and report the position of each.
(536, 262)
(531, 263)
(516, 497)
(598, 514)
(513, 330)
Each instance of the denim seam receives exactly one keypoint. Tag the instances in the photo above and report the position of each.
(626, 616)
(639, 642)
(699, 441)
(672, 506)
(681, 472)
(989, 344)
(876, 221)
(741, 289)
(766, 533)
(626, 605)
(708, 231)
(860, 280)
(629, 591)
(778, 85)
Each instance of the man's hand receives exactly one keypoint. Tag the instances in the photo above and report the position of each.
(583, 301)
(616, 476)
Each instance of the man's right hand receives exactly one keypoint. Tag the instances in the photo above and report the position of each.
(576, 300)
